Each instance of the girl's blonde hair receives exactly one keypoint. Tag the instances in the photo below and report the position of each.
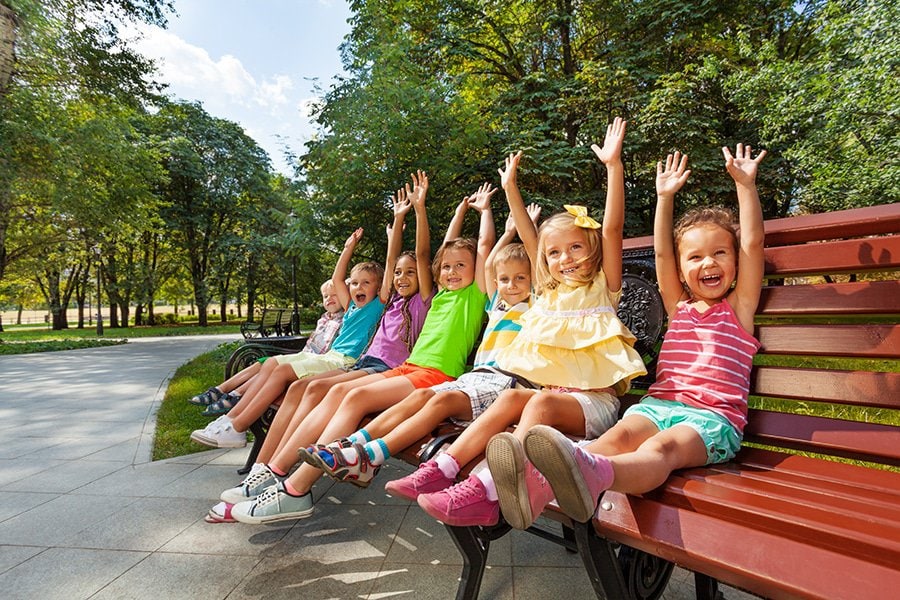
(564, 222)
(718, 216)
(454, 244)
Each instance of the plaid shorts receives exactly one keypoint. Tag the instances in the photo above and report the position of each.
(482, 388)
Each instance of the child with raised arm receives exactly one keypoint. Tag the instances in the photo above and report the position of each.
(409, 299)
(448, 335)
(572, 347)
(223, 397)
(363, 307)
(356, 459)
(710, 280)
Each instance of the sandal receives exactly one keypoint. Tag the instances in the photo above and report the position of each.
(220, 513)
(207, 397)
(310, 455)
(222, 405)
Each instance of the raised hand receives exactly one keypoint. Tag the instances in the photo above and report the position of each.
(402, 203)
(671, 177)
(354, 239)
(481, 199)
(534, 213)
(416, 194)
(611, 152)
(742, 166)
(508, 172)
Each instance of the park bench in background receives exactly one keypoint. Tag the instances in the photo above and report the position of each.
(270, 323)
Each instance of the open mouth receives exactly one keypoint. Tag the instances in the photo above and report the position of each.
(711, 280)
(360, 298)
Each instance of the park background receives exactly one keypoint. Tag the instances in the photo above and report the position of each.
(104, 176)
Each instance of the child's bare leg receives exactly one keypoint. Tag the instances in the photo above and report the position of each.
(284, 414)
(556, 409)
(310, 428)
(439, 408)
(279, 380)
(651, 464)
(505, 411)
(240, 378)
(394, 416)
(363, 401)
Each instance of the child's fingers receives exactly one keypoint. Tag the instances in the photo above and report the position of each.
(683, 164)
(727, 152)
(762, 154)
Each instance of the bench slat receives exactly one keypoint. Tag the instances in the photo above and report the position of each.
(863, 388)
(846, 256)
(763, 562)
(864, 340)
(864, 297)
(836, 437)
(872, 220)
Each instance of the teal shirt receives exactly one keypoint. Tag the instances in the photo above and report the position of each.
(358, 326)
(450, 330)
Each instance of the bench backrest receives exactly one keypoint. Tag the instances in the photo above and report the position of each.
(827, 379)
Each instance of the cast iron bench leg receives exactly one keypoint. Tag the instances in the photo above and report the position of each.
(259, 428)
(473, 543)
(706, 587)
(599, 558)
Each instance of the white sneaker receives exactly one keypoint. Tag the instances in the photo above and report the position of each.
(258, 479)
(220, 435)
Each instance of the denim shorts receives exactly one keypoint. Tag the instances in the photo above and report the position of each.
(721, 439)
(370, 365)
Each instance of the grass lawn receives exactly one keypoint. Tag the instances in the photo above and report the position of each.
(177, 418)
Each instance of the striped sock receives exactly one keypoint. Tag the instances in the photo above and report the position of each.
(360, 437)
(377, 451)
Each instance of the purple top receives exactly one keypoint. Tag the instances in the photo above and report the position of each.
(399, 328)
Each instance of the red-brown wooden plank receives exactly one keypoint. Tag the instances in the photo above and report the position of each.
(872, 220)
(862, 388)
(759, 561)
(864, 340)
(836, 437)
(844, 256)
(864, 297)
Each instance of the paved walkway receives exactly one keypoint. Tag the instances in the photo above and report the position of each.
(85, 514)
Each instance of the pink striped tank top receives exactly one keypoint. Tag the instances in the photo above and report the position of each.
(705, 362)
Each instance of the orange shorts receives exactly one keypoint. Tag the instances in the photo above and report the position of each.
(420, 377)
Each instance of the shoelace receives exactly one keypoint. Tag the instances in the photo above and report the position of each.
(463, 491)
(422, 474)
(257, 477)
(268, 496)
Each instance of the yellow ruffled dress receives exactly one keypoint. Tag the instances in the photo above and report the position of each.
(571, 337)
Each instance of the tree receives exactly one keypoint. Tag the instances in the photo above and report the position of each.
(217, 176)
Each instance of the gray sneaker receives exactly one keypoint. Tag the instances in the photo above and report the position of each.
(273, 504)
(259, 478)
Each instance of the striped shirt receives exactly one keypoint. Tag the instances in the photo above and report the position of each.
(705, 362)
(503, 325)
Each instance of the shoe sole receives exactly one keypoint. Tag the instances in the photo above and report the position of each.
(254, 520)
(550, 452)
(340, 475)
(237, 497)
(506, 460)
(213, 442)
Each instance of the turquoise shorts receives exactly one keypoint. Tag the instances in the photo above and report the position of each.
(718, 434)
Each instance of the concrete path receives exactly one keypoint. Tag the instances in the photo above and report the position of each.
(85, 514)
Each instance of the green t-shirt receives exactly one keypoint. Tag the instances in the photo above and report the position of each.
(450, 330)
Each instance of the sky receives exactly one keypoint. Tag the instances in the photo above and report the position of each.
(253, 62)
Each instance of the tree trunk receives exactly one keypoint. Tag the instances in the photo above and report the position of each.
(138, 315)
(9, 26)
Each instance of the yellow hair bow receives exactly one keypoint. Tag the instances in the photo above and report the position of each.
(581, 216)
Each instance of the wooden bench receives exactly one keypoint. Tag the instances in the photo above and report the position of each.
(789, 517)
(269, 324)
(810, 508)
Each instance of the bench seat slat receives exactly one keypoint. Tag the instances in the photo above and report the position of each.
(845, 256)
(865, 340)
(863, 388)
(763, 562)
(807, 517)
(863, 297)
(835, 437)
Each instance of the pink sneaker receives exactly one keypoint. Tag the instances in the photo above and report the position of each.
(522, 490)
(426, 479)
(577, 477)
(462, 505)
